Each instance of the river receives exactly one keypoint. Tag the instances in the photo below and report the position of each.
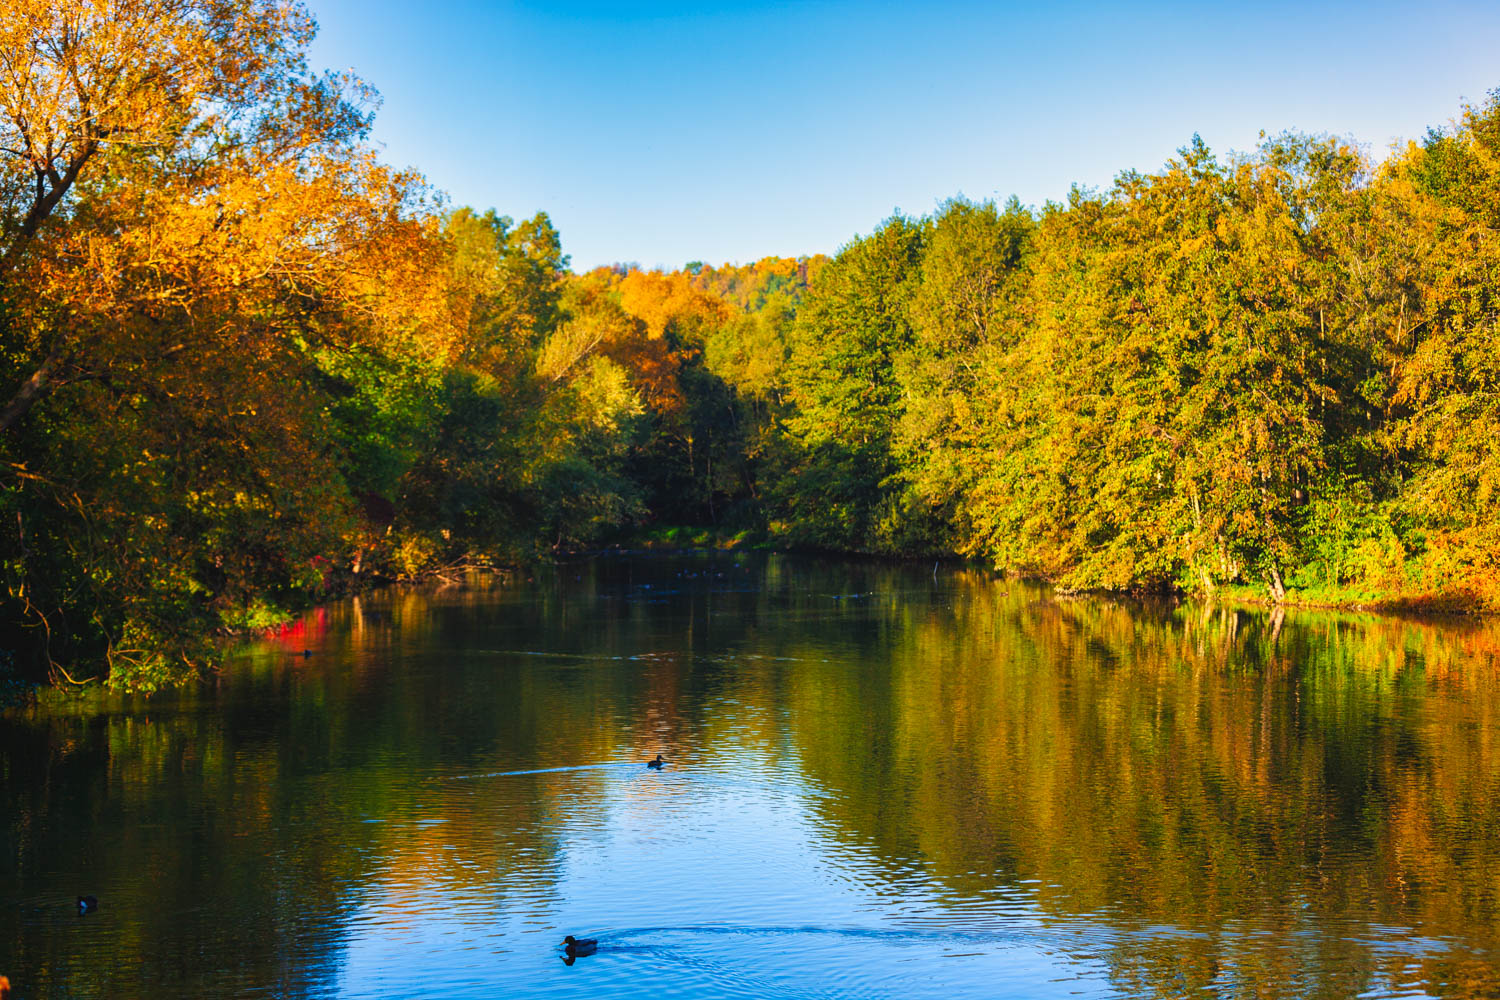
(882, 781)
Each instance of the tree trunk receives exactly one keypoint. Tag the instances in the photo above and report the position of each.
(31, 391)
(708, 474)
(1278, 589)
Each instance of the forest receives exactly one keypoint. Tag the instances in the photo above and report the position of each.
(245, 366)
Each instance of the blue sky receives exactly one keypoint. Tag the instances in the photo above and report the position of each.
(673, 131)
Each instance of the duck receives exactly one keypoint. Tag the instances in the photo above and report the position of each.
(87, 904)
(579, 947)
(657, 763)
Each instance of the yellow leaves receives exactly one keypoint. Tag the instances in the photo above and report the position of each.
(230, 238)
(89, 70)
(665, 300)
(601, 324)
(746, 286)
(562, 351)
(167, 91)
(85, 79)
(609, 400)
(190, 196)
(1189, 247)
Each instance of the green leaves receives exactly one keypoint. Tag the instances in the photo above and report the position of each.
(847, 396)
(1280, 366)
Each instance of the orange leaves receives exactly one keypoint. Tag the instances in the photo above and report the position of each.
(655, 325)
(84, 79)
(209, 181)
(648, 322)
(748, 286)
(334, 241)
(669, 302)
(600, 324)
(653, 367)
(192, 240)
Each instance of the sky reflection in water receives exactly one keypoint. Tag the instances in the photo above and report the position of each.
(881, 782)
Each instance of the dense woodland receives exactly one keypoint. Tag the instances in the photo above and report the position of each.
(246, 365)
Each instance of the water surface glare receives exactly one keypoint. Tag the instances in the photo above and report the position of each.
(881, 781)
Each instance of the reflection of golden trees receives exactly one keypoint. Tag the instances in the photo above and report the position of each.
(1212, 769)
(1230, 798)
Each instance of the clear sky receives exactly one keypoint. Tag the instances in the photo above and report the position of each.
(672, 131)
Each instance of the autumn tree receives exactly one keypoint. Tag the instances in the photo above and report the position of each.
(191, 221)
(1433, 238)
(965, 311)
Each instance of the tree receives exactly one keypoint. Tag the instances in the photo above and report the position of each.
(965, 308)
(838, 490)
(191, 224)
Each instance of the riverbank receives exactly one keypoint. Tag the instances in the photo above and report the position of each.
(1354, 599)
(671, 538)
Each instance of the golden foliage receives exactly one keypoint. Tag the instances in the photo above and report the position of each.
(669, 301)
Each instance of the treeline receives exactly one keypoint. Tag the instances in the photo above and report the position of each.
(1275, 373)
(243, 365)
(1278, 370)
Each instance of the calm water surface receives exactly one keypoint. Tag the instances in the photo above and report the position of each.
(883, 782)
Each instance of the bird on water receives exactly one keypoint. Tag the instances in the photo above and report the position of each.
(576, 948)
(657, 763)
(87, 904)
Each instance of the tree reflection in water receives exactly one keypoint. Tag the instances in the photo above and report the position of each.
(1152, 798)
